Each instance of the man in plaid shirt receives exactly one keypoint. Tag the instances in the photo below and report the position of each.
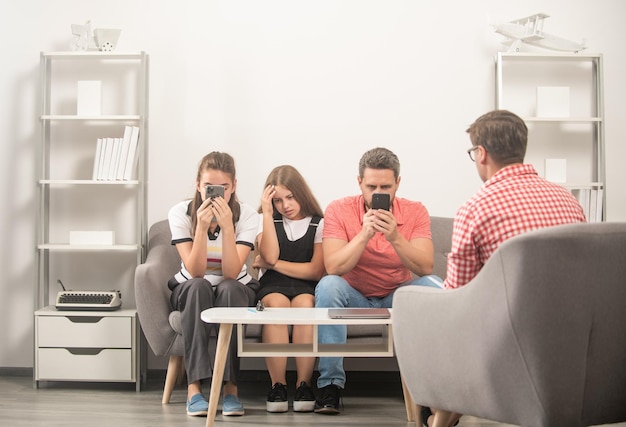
(512, 201)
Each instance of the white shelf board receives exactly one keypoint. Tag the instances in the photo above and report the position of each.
(556, 56)
(86, 182)
(79, 248)
(126, 117)
(93, 54)
(564, 119)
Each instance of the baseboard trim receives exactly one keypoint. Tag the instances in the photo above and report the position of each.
(16, 372)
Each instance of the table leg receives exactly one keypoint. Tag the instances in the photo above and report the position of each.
(223, 340)
(412, 411)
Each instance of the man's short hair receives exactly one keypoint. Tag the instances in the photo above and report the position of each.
(379, 158)
(503, 134)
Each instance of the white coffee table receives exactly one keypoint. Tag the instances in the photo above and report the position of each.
(229, 316)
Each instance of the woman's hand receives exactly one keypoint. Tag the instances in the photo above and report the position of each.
(205, 215)
(221, 212)
(259, 262)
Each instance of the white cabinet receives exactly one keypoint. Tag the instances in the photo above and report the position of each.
(87, 346)
(86, 96)
(560, 97)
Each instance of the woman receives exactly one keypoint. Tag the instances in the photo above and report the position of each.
(290, 262)
(213, 235)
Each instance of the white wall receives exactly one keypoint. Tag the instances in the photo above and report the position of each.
(311, 83)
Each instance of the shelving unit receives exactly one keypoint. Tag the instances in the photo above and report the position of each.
(576, 136)
(68, 199)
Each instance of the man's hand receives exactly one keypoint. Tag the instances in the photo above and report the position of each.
(384, 222)
(369, 224)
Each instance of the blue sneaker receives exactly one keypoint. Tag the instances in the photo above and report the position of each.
(197, 406)
(232, 406)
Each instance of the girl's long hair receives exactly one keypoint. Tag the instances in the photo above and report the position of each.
(289, 177)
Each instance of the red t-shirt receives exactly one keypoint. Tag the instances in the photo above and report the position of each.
(379, 270)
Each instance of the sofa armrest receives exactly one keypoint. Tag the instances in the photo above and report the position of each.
(151, 292)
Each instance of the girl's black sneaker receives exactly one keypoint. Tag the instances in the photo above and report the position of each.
(304, 401)
(277, 399)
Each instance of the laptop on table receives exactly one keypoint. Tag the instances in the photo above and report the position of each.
(359, 313)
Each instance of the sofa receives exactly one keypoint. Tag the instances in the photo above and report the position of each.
(161, 325)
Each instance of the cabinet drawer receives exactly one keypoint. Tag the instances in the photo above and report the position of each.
(85, 364)
(84, 331)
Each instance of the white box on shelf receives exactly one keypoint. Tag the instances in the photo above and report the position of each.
(91, 237)
(556, 170)
(553, 101)
(88, 97)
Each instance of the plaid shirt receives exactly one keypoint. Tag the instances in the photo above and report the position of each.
(514, 200)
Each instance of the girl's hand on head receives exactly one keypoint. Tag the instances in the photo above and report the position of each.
(266, 199)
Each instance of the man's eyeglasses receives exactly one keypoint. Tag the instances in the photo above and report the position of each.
(471, 154)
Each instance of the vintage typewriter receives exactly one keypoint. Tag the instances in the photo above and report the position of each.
(88, 300)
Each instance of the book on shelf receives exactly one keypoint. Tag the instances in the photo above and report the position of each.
(121, 164)
(106, 159)
(115, 158)
(132, 156)
(590, 200)
(96, 160)
(600, 204)
(593, 205)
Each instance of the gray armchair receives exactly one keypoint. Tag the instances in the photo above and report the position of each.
(537, 339)
(153, 302)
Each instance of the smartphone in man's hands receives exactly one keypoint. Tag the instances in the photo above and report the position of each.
(213, 191)
(381, 201)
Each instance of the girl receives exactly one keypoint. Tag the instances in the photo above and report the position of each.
(213, 235)
(290, 262)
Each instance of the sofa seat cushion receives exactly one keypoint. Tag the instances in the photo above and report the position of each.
(175, 322)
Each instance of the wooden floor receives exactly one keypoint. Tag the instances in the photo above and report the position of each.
(376, 402)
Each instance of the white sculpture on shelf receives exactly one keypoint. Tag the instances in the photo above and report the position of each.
(82, 36)
(529, 30)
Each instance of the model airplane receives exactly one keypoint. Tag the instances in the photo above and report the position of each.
(529, 30)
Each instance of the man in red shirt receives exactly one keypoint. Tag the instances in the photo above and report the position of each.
(368, 254)
(512, 201)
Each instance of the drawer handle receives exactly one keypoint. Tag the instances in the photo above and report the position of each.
(84, 319)
(84, 351)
